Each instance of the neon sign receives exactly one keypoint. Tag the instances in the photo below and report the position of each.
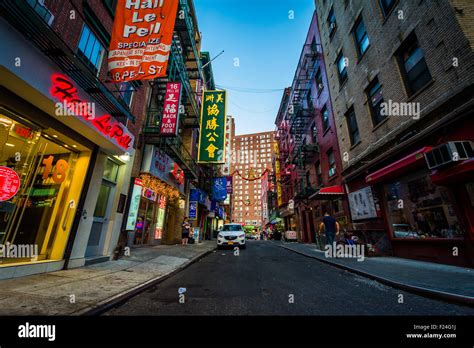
(65, 91)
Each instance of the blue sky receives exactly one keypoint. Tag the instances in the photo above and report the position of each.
(267, 44)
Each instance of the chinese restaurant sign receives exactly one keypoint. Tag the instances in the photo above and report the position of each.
(141, 39)
(169, 123)
(213, 123)
(66, 92)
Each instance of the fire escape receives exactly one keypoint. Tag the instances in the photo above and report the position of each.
(33, 20)
(184, 66)
(301, 113)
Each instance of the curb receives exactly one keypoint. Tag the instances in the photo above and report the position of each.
(107, 304)
(431, 293)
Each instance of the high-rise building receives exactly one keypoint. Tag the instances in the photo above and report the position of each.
(251, 158)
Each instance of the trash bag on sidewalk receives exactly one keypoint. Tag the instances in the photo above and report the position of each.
(191, 240)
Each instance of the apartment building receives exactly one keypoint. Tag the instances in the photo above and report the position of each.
(401, 77)
(251, 163)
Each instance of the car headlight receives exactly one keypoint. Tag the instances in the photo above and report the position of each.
(220, 236)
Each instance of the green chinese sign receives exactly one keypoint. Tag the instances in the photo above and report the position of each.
(212, 136)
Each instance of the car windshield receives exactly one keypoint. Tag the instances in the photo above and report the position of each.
(232, 228)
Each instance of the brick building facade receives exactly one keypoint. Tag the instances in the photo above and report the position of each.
(401, 79)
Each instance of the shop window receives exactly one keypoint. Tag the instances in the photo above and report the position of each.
(418, 209)
(413, 65)
(375, 99)
(360, 37)
(90, 49)
(352, 126)
(126, 93)
(111, 170)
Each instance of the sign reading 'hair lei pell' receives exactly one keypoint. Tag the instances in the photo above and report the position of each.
(141, 39)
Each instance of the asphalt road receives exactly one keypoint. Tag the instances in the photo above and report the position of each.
(264, 279)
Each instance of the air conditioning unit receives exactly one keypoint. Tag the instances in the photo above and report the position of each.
(450, 152)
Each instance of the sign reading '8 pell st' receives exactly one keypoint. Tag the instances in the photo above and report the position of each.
(213, 121)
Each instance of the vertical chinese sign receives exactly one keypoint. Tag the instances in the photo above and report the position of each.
(169, 122)
(141, 39)
(212, 132)
(277, 174)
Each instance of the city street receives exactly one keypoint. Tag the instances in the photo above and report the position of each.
(262, 280)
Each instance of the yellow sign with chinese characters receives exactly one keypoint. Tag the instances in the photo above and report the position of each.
(212, 139)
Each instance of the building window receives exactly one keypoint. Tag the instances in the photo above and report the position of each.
(319, 174)
(387, 6)
(40, 8)
(360, 37)
(332, 163)
(314, 134)
(90, 49)
(413, 65)
(375, 98)
(352, 126)
(341, 67)
(126, 92)
(319, 80)
(331, 22)
(325, 118)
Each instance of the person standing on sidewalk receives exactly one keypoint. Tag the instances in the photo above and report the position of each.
(186, 227)
(331, 228)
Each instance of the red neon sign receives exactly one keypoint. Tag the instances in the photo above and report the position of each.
(64, 90)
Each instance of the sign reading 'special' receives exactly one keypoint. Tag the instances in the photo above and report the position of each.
(141, 39)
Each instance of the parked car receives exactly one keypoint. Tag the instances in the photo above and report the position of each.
(231, 235)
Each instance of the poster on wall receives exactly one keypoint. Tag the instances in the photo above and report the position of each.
(141, 39)
(362, 204)
(170, 120)
(134, 204)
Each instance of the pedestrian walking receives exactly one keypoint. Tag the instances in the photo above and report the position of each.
(186, 227)
(331, 228)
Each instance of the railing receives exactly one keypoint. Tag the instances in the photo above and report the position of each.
(31, 24)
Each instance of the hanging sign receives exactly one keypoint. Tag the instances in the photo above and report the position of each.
(9, 183)
(170, 120)
(219, 189)
(213, 123)
(141, 39)
(193, 207)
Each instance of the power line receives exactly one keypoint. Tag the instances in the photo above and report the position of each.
(251, 90)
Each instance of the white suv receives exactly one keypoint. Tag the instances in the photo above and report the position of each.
(231, 235)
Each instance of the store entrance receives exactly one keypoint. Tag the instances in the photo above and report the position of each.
(40, 215)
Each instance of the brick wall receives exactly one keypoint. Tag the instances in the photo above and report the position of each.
(440, 37)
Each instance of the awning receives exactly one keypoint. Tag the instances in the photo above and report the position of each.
(411, 161)
(275, 220)
(458, 173)
(328, 192)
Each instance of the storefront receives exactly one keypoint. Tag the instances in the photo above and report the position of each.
(161, 203)
(70, 167)
(428, 213)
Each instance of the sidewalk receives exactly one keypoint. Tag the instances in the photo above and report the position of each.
(450, 283)
(96, 285)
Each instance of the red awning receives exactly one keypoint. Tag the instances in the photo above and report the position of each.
(408, 162)
(328, 192)
(458, 173)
